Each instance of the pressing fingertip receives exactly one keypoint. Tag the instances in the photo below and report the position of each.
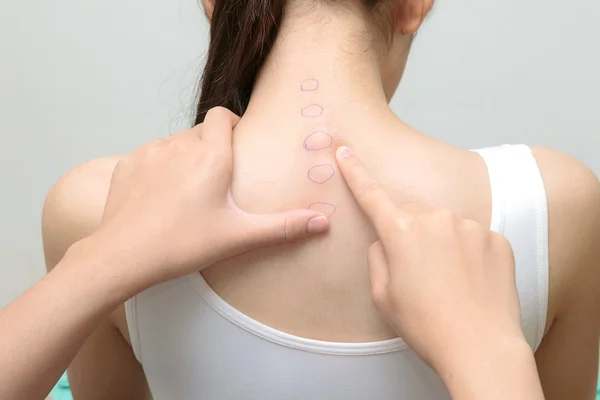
(317, 225)
(344, 152)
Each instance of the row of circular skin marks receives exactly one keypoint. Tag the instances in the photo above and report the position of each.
(317, 140)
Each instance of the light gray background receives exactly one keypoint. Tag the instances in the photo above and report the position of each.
(83, 79)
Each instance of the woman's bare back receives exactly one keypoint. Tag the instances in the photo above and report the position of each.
(319, 289)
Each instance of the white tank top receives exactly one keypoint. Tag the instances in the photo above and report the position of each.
(193, 345)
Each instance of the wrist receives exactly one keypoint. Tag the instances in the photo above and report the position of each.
(472, 352)
(502, 364)
(102, 268)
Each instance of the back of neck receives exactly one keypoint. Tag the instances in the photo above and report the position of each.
(323, 73)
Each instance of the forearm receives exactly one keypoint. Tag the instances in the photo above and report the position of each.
(501, 370)
(41, 331)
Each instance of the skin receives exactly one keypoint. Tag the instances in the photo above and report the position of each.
(469, 276)
(168, 214)
(156, 228)
(357, 77)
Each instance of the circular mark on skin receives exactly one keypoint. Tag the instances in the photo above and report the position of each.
(309, 85)
(326, 208)
(318, 140)
(312, 111)
(321, 173)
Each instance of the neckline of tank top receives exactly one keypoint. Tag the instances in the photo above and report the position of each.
(256, 328)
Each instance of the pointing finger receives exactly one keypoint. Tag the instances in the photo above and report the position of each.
(369, 194)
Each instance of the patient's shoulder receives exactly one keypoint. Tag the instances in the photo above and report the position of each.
(573, 193)
(74, 206)
(571, 186)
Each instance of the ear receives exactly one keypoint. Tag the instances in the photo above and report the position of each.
(209, 7)
(411, 14)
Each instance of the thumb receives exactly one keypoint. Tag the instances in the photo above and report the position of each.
(279, 228)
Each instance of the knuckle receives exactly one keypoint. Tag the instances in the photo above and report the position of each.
(415, 207)
(181, 146)
(280, 233)
(405, 223)
(472, 226)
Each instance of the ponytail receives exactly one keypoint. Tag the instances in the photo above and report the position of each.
(241, 35)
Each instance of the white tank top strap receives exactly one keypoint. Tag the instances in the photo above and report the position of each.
(520, 212)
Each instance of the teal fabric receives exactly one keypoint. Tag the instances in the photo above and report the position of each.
(598, 390)
(62, 391)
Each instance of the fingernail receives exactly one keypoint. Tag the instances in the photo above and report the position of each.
(344, 152)
(317, 225)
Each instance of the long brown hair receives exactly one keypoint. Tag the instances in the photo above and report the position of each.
(242, 33)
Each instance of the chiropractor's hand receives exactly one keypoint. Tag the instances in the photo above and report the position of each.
(170, 210)
(447, 286)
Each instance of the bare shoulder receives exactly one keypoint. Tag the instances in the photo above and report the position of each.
(567, 358)
(72, 211)
(74, 206)
(561, 171)
(573, 193)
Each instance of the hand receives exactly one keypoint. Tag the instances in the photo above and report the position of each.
(447, 286)
(170, 212)
(443, 283)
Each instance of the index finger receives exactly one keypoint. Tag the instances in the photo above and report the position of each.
(370, 196)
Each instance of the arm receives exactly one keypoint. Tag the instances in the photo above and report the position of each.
(567, 359)
(447, 286)
(42, 330)
(497, 367)
(105, 366)
(168, 214)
